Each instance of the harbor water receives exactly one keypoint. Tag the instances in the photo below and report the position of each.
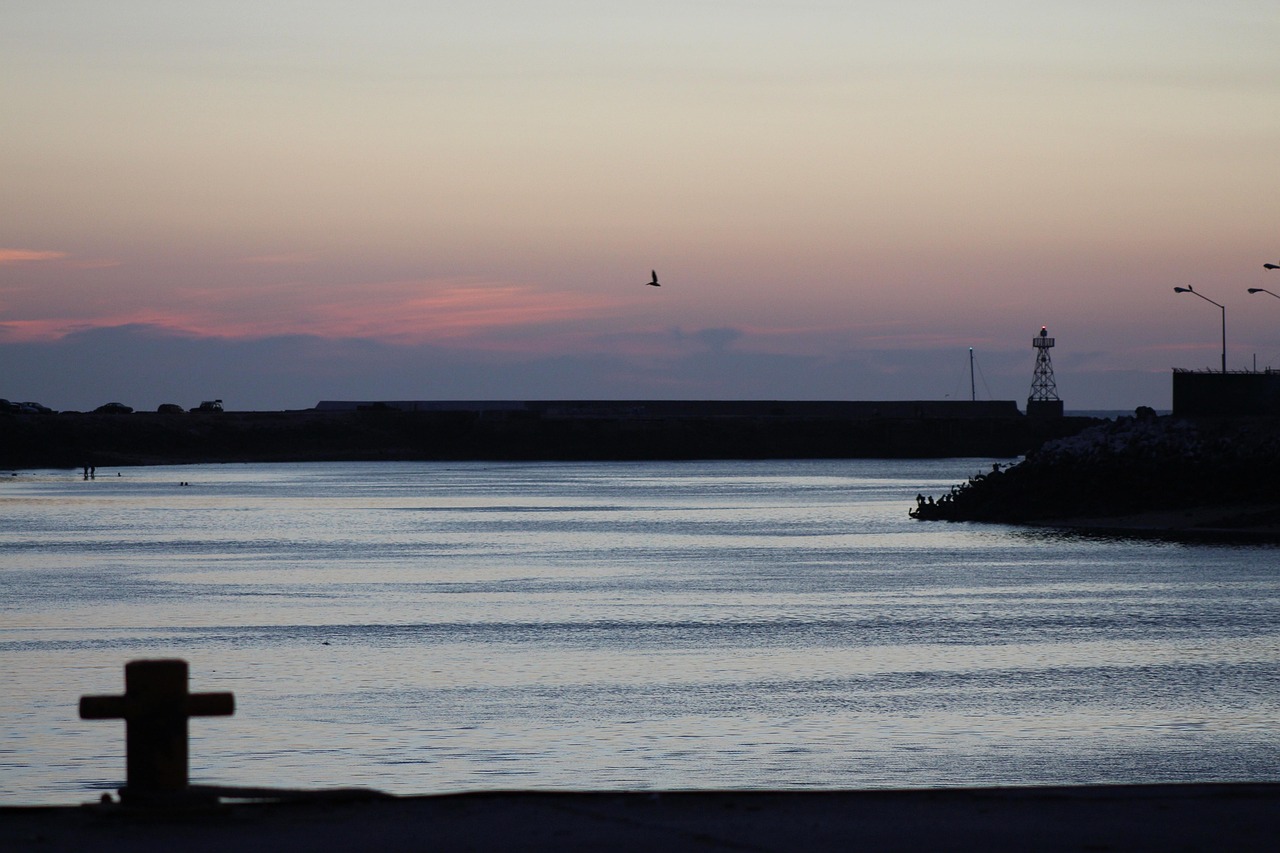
(438, 627)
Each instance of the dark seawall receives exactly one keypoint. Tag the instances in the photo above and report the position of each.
(71, 440)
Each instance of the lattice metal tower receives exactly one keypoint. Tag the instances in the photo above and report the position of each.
(1044, 398)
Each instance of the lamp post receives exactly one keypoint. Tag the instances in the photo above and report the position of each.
(1269, 293)
(1263, 289)
(1189, 289)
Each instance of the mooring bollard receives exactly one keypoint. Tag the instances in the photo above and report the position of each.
(155, 708)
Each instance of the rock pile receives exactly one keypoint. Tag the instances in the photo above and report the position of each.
(1130, 466)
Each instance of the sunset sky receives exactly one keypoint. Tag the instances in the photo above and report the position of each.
(275, 203)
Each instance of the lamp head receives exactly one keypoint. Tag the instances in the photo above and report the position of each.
(1183, 290)
(1255, 290)
(1271, 266)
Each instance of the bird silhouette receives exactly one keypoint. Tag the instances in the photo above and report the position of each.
(653, 283)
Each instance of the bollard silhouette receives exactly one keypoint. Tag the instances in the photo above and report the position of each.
(155, 708)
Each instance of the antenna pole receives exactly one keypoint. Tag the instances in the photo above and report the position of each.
(973, 390)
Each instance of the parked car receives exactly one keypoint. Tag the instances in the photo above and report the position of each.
(35, 407)
(210, 406)
(6, 406)
(114, 409)
(170, 409)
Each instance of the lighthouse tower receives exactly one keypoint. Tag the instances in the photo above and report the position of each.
(1044, 401)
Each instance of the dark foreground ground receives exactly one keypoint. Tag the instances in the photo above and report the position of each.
(1236, 817)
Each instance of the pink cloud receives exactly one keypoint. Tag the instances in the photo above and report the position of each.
(1179, 348)
(404, 311)
(22, 256)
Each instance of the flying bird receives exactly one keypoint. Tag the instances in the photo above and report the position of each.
(654, 282)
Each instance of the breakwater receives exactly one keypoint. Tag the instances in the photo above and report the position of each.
(71, 440)
(1157, 473)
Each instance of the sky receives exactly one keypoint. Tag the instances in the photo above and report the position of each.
(275, 203)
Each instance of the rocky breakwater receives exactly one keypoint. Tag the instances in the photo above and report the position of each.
(1142, 474)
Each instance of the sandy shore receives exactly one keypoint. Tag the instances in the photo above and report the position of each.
(1237, 817)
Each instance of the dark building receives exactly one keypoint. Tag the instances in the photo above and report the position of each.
(1203, 393)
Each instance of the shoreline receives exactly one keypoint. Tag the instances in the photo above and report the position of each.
(1155, 817)
(1217, 524)
(1229, 524)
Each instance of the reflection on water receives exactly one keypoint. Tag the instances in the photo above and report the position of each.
(437, 627)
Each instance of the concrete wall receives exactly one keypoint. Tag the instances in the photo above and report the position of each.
(1044, 408)
(662, 409)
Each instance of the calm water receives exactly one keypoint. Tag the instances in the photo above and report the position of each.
(429, 627)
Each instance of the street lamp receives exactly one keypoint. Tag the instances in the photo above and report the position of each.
(1188, 289)
(1271, 266)
(1263, 290)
